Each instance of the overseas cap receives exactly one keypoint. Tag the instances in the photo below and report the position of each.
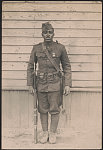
(47, 26)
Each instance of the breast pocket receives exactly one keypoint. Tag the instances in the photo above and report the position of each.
(54, 55)
(40, 55)
(56, 58)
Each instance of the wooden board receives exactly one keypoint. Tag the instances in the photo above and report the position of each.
(52, 7)
(24, 110)
(86, 66)
(86, 76)
(93, 25)
(20, 83)
(51, 16)
(83, 84)
(15, 109)
(11, 109)
(97, 111)
(87, 84)
(73, 58)
(88, 108)
(70, 50)
(75, 75)
(58, 33)
(56, 2)
(69, 2)
(65, 41)
(22, 66)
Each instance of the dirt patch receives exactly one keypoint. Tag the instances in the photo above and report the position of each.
(67, 139)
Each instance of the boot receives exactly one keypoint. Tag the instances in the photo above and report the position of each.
(52, 138)
(44, 137)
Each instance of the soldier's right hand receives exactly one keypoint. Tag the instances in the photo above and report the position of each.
(31, 90)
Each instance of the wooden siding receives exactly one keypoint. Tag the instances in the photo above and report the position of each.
(17, 109)
(78, 25)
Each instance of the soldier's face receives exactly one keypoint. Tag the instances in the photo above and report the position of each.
(48, 35)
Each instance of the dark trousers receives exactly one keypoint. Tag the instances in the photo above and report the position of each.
(49, 102)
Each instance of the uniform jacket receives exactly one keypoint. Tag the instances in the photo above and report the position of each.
(47, 78)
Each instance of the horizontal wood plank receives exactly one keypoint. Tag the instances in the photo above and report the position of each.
(73, 58)
(22, 66)
(23, 83)
(70, 50)
(52, 7)
(58, 33)
(51, 16)
(87, 84)
(86, 67)
(87, 76)
(25, 88)
(56, 24)
(10, 75)
(66, 41)
(56, 2)
(70, 2)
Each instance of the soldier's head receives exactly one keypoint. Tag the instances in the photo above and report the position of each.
(47, 32)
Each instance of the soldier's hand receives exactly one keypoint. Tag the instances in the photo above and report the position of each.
(31, 90)
(66, 90)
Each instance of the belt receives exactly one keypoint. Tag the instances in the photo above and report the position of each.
(47, 74)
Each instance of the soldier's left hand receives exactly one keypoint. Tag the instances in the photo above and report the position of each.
(66, 90)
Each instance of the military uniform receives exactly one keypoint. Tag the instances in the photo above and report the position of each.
(48, 80)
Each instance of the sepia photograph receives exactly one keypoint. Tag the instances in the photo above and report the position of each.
(51, 75)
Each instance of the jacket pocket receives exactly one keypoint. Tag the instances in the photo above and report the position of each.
(40, 54)
(41, 78)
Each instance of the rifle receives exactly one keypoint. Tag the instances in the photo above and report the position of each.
(35, 108)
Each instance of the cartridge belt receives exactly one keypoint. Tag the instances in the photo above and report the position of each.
(46, 74)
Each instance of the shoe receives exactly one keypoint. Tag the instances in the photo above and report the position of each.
(52, 138)
(44, 137)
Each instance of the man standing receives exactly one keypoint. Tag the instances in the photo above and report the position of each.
(48, 80)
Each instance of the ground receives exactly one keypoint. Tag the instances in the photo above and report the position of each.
(68, 138)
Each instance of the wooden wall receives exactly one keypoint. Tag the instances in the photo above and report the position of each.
(86, 109)
(78, 26)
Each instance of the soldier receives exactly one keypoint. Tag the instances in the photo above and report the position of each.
(48, 80)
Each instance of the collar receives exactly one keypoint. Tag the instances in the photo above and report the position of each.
(49, 45)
